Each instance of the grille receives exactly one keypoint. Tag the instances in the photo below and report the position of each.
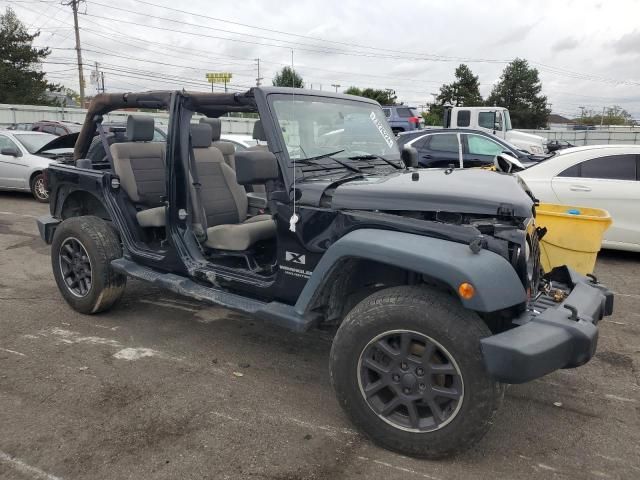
(534, 244)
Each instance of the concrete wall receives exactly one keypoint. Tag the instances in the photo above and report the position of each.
(10, 114)
(612, 135)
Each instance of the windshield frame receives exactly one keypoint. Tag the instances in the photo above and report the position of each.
(283, 150)
(18, 137)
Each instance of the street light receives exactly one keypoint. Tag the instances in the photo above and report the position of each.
(336, 86)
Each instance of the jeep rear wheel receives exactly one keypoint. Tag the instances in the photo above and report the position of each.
(81, 254)
(407, 368)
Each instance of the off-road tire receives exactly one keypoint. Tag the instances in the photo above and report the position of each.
(37, 188)
(442, 318)
(102, 245)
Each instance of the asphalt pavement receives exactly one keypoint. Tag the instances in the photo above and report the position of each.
(162, 387)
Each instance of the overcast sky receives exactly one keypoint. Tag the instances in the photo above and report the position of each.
(587, 52)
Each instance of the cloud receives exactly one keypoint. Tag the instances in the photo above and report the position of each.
(516, 35)
(566, 43)
(628, 43)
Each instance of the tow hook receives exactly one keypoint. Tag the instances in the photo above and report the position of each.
(574, 312)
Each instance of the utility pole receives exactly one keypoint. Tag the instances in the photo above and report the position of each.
(336, 86)
(74, 7)
(258, 78)
(582, 114)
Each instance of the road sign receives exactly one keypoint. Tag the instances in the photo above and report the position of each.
(219, 77)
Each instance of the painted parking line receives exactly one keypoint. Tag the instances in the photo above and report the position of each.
(18, 214)
(12, 351)
(26, 469)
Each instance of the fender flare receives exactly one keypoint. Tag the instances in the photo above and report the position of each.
(496, 283)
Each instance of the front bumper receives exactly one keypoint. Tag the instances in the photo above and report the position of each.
(47, 227)
(550, 335)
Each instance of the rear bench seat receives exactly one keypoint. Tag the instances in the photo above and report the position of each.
(140, 164)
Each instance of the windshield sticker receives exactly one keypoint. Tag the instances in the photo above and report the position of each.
(383, 131)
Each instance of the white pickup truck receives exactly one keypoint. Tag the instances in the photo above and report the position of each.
(495, 120)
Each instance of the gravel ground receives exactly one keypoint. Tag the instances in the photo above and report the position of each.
(162, 387)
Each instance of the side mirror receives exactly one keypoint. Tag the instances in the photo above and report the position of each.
(10, 151)
(409, 157)
(253, 166)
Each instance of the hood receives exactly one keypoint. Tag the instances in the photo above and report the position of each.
(63, 141)
(515, 135)
(471, 191)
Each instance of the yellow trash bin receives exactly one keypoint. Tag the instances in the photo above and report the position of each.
(574, 235)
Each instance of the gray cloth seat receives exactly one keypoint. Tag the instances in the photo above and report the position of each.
(140, 165)
(227, 148)
(224, 201)
(258, 134)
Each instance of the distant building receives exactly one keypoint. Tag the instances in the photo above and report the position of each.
(558, 122)
(62, 99)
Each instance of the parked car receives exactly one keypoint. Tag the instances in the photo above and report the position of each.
(494, 120)
(55, 127)
(240, 142)
(554, 145)
(402, 118)
(430, 280)
(20, 126)
(24, 155)
(600, 176)
(441, 147)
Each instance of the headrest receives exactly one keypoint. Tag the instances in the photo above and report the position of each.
(258, 131)
(140, 128)
(200, 135)
(216, 127)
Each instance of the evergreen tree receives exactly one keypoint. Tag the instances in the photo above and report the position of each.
(21, 78)
(288, 77)
(519, 90)
(463, 92)
(383, 97)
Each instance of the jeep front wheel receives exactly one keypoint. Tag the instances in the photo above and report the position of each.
(81, 254)
(407, 368)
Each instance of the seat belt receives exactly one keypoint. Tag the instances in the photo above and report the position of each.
(103, 139)
(199, 218)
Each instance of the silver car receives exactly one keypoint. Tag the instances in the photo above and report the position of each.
(23, 157)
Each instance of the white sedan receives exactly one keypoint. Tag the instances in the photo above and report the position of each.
(23, 157)
(598, 176)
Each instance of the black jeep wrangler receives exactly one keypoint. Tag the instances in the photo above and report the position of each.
(431, 279)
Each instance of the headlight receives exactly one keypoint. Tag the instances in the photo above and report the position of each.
(536, 149)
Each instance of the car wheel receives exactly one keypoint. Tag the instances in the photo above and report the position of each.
(407, 368)
(81, 255)
(38, 188)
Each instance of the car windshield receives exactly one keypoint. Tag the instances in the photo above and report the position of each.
(313, 127)
(34, 141)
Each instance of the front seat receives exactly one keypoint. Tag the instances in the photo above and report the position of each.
(223, 200)
(258, 134)
(139, 163)
(227, 148)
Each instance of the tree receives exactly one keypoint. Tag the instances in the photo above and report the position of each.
(288, 77)
(519, 90)
(21, 78)
(383, 97)
(463, 92)
(614, 115)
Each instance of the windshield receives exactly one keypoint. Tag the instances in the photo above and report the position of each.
(34, 141)
(317, 126)
(507, 120)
